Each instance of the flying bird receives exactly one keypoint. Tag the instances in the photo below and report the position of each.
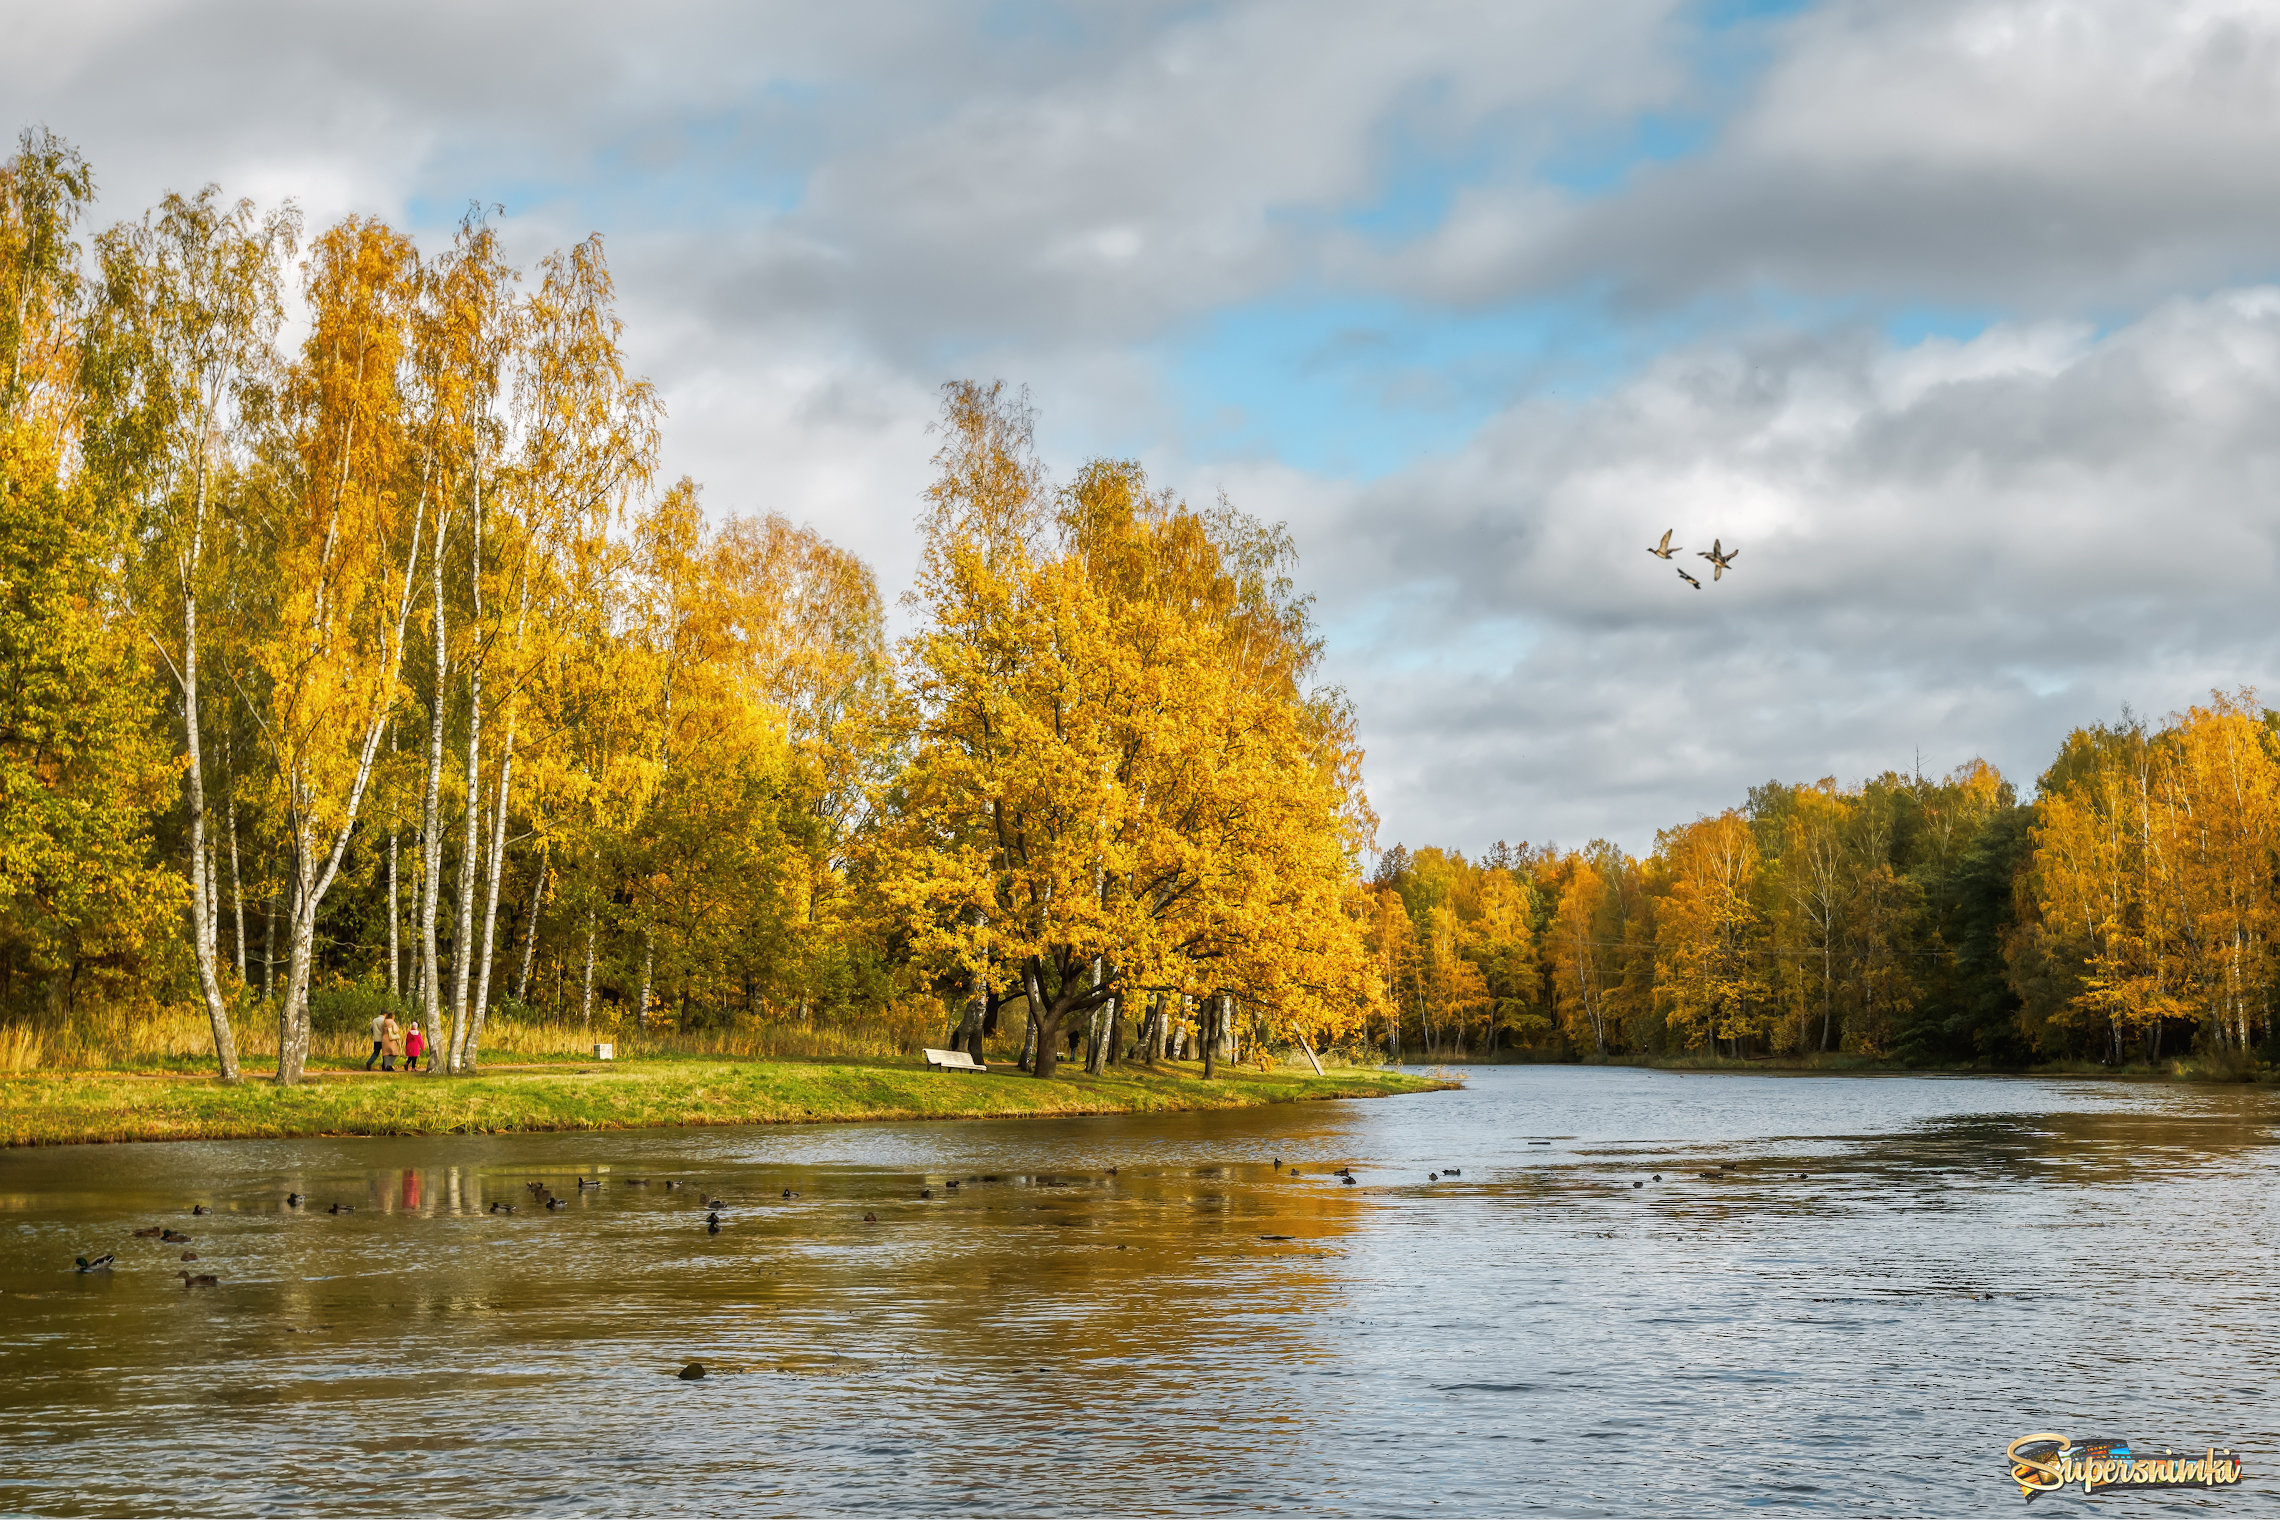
(1719, 556)
(1690, 580)
(1663, 550)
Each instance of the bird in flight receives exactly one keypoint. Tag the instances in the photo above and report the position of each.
(1719, 556)
(1690, 580)
(1663, 550)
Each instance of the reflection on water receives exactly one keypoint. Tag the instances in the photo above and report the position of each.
(1143, 1313)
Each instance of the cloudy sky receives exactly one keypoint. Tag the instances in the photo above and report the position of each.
(1959, 317)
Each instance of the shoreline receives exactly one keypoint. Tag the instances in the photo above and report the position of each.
(2186, 1071)
(113, 1107)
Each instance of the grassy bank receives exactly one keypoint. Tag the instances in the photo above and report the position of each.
(65, 1109)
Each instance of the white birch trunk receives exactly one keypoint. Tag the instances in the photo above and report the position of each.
(470, 861)
(311, 887)
(312, 882)
(237, 878)
(194, 785)
(431, 813)
(586, 998)
(395, 926)
(530, 928)
(649, 965)
(492, 871)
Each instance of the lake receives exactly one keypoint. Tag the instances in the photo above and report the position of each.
(1142, 1314)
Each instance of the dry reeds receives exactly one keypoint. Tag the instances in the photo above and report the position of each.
(19, 1049)
(179, 1037)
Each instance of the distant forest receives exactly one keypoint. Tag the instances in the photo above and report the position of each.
(2128, 914)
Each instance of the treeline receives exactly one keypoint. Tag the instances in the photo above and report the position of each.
(383, 658)
(2127, 914)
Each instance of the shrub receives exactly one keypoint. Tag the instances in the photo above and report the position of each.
(344, 1007)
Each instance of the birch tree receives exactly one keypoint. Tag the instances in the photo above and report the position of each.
(190, 308)
(350, 511)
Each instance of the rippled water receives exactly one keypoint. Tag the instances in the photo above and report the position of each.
(1101, 1317)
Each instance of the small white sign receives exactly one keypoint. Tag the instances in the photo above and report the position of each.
(605, 1052)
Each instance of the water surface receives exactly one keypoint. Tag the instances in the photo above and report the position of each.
(1142, 1314)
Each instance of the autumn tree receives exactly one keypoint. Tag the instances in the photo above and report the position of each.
(1119, 778)
(347, 512)
(1709, 976)
(183, 367)
(82, 770)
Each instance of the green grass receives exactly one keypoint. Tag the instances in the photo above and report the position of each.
(636, 1094)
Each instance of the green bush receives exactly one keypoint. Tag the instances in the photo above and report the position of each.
(350, 1007)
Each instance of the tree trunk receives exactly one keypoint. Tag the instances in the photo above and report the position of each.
(311, 881)
(1312, 1059)
(586, 998)
(431, 812)
(496, 865)
(530, 925)
(1116, 1030)
(214, 907)
(269, 948)
(1828, 999)
(1045, 1027)
(1096, 1040)
(969, 1035)
(1096, 1026)
(293, 1013)
(194, 786)
(395, 926)
(1207, 1035)
(493, 870)
(470, 867)
(470, 850)
(237, 881)
(648, 965)
(1029, 1041)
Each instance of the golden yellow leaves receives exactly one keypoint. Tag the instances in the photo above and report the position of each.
(1116, 781)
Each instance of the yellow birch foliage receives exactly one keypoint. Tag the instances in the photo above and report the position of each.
(1711, 982)
(343, 540)
(1116, 783)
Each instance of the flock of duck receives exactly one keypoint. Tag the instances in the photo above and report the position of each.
(543, 1196)
(1721, 558)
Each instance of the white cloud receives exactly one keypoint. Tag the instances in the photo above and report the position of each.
(818, 213)
(1962, 548)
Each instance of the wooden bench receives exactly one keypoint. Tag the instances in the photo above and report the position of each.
(952, 1060)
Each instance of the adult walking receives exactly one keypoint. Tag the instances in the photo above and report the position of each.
(391, 1041)
(380, 1024)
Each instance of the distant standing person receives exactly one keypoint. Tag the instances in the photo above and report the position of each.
(391, 1041)
(380, 1024)
(415, 1043)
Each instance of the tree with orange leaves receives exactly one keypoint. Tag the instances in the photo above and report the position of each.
(1119, 780)
(1708, 977)
(346, 515)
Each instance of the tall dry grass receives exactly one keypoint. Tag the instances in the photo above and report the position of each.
(176, 1038)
